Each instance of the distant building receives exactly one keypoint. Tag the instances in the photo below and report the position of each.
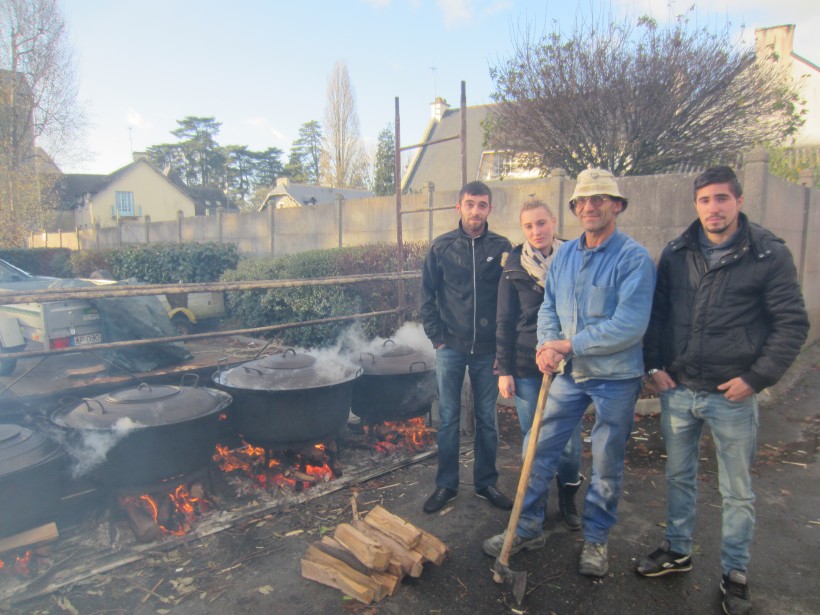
(287, 194)
(440, 163)
(780, 39)
(134, 192)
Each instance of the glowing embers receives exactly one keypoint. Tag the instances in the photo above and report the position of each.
(411, 435)
(171, 509)
(22, 566)
(282, 470)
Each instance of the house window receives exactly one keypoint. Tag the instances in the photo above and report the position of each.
(125, 203)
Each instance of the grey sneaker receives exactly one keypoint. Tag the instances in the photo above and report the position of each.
(737, 599)
(492, 546)
(594, 561)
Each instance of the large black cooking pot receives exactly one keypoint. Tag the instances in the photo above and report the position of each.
(160, 431)
(289, 400)
(398, 383)
(30, 479)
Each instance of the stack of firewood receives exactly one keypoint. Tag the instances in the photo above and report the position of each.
(367, 558)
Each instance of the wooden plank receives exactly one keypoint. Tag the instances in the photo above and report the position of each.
(406, 534)
(337, 570)
(369, 552)
(28, 538)
(329, 576)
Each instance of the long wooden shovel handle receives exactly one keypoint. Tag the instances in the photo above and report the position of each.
(529, 458)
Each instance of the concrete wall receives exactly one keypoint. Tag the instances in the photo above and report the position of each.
(660, 207)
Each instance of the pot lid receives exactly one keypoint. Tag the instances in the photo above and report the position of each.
(22, 448)
(287, 371)
(143, 406)
(391, 358)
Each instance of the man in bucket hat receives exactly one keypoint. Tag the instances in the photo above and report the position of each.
(597, 302)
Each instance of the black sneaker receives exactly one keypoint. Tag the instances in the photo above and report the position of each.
(495, 497)
(440, 497)
(736, 597)
(663, 561)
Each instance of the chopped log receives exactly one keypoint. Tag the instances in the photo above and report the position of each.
(387, 580)
(34, 536)
(307, 478)
(433, 549)
(369, 552)
(361, 584)
(343, 555)
(144, 527)
(412, 563)
(406, 534)
(334, 578)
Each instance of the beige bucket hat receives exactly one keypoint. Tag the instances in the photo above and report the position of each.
(596, 181)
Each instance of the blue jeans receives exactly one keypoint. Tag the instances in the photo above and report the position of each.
(526, 398)
(734, 429)
(614, 414)
(450, 366)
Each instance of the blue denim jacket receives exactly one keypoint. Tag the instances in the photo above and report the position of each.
(600, 299)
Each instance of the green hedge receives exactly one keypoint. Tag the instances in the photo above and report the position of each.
(268, 307)
(161, 263)
(53, 262)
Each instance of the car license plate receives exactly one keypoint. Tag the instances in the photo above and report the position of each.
(88, 338)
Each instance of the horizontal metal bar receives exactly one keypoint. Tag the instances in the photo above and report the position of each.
(107, 291)
(433, 142)
(426, 209)
(194, 336)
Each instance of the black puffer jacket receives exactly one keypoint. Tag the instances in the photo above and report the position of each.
(744, 317)
(519, 298)
(459, 287)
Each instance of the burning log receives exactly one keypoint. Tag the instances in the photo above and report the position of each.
(29, 538)
(337, 562)
(142, 522)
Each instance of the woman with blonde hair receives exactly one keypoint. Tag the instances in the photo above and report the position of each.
(520, 294)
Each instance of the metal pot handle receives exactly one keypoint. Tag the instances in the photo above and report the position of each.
(388, 341)
(189, 375)
(362, 355)
(251, 369)
(359, 372)
(87, 401)
(289, 350)
(221, 364)
(422, 363)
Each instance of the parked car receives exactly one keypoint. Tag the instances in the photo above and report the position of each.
(37, 326)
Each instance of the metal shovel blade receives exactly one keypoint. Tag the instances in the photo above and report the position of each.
(516, 580)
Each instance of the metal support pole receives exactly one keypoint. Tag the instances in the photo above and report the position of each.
(399, 241)
(463, 133)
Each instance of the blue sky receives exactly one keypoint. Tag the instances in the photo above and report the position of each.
(261, 67)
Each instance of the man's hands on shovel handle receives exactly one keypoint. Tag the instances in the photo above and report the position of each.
(550, 354)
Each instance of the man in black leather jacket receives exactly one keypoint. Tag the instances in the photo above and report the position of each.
(728, 319)
(458, 305)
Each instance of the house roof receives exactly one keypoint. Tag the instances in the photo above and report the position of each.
(441, 163)
(314, 195)
(74, 186)
(207, 198)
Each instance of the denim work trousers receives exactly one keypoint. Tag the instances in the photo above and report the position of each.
(684, 412)
(614, 415)
(526, 398)
(450, 366)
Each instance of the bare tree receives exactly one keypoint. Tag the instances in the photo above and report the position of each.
(344, 160)
(637, 97)
(38, 110)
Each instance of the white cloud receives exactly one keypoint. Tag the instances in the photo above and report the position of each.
(455, 11)
(135, 120)
(377, 3)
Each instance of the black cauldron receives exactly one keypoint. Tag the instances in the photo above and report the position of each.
(30, 479)
(289, 400)
(158, 431)
(398, 383)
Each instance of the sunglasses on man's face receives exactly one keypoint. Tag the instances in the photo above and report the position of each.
(596, 200)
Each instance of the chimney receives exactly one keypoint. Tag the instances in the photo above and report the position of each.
(139, 156)
(281, 181)
(777, 39)
(437, 108)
